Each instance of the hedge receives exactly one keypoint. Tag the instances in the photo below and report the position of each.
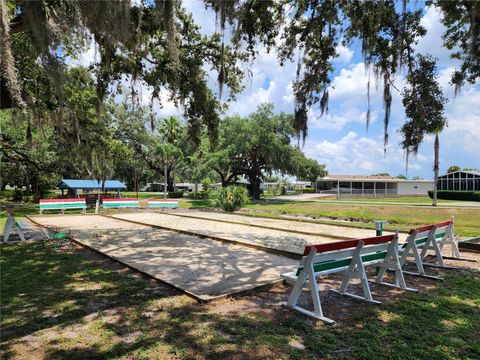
(304, 190)
(175, 194)
(201, 195)
(456, 195)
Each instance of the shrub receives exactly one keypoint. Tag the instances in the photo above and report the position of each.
(304, 190)
(175, 194)
(456, 195)
(230, 198)
(17, 195)
(200, 195)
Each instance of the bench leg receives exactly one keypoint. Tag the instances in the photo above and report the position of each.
(314, 290)
(412, 247)
(297, 289)
(392, 261)
(356, 270)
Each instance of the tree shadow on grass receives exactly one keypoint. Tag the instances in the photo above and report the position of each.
(148, 321)
(41, 289)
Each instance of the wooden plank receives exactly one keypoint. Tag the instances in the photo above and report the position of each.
(429, 227)
(348, 244)
(61, 200)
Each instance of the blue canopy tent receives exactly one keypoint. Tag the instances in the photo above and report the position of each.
(72, 186)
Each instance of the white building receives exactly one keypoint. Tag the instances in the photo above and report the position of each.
(372, 186)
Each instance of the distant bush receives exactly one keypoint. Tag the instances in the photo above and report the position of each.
(17, 195)
(304, 190)
(175, 194)
(456, 195)
(230, 198)
(6, 194)
(199, 195)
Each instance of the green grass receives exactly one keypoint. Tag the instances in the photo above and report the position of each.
(399, 216)
(80, 306)
(418, 200)
(467, 220)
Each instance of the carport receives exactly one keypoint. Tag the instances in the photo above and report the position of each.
(74, 185)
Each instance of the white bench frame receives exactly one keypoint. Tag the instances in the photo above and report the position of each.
(11, 226)
(355, 269)
(419, 250)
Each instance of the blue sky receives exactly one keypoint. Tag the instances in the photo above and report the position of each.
(340, 139)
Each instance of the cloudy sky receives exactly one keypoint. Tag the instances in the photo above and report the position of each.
(340, 139)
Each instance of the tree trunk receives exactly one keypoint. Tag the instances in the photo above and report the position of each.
(254, 187)
(435, 169)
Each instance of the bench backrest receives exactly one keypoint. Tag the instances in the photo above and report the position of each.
(336, 256)
(55, 204)
(121, 203)
(420, 234)
(162, 203)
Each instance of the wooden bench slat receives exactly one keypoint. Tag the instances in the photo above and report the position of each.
(346, 244)
(430, 227)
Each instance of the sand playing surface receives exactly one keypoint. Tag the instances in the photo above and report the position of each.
(203, 267)
(289, 225)
(267, 238)
(282, 238)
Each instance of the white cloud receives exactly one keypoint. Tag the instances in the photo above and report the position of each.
(344, 54)
(87, 57)
(354, 154)
(432, 42)
(339, 119)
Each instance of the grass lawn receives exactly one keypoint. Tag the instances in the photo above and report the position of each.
(467, 220)
(419, 200)
(81, 305)
(400, 216)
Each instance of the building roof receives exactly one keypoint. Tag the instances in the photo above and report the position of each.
(361, 177)
(471, 172)
(90, 184)
(374, 178)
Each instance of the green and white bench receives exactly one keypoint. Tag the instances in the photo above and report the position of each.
(120, 203)
(350, 258)
(429, 237)
(162, 203)
(62, 204)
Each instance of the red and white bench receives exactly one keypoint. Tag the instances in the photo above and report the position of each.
(162, 203)
(350, 258)
(62, 204)
(429, 237)
(112, 203)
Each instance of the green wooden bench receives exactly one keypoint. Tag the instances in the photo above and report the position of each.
(349, 257)
(120, 203)
(162, 203)
(62, 204)
(429, 237)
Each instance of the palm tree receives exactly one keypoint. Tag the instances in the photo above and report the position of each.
(424, 106)
(168, 154)
(171, 130)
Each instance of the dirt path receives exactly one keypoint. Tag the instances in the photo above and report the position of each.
(203, 267)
